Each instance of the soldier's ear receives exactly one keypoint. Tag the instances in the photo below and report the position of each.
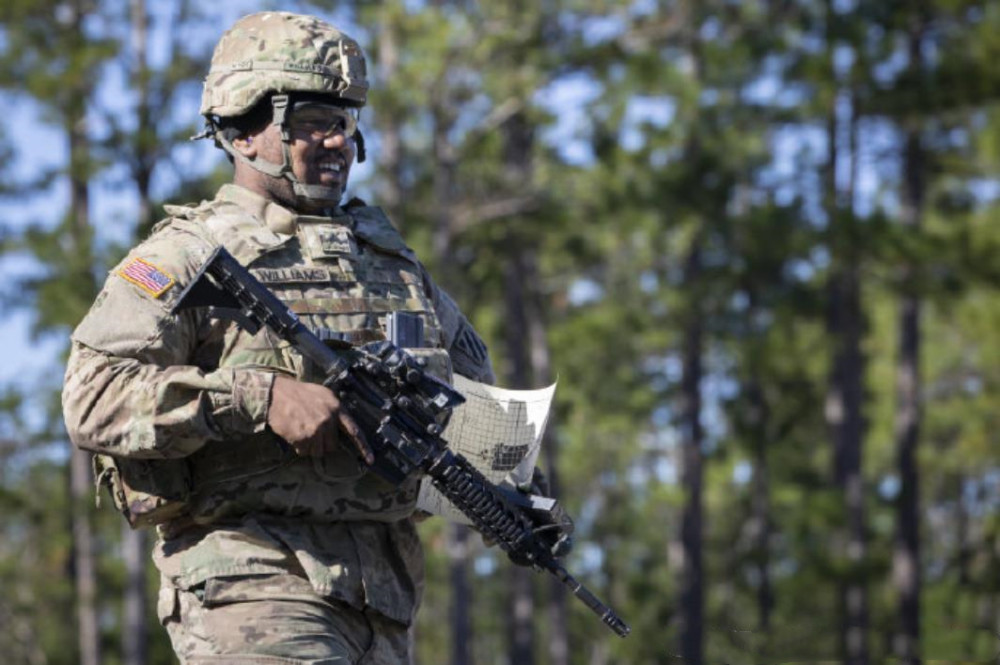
(245, 145)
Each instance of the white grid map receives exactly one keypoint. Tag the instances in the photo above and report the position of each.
(499, 431)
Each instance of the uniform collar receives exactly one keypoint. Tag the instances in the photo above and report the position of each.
(275, 217)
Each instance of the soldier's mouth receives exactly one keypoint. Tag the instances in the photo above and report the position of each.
(330, 172)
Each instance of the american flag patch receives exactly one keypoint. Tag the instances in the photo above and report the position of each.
(147, 277)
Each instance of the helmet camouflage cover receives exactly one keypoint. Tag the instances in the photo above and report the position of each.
(280, 52)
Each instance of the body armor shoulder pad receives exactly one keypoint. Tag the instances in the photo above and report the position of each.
(468, 352)
(188, 211)
(221, 223)
(373, 226)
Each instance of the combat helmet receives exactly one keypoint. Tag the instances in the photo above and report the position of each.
(280, 54)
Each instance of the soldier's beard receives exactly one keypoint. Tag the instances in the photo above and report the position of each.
(312, 198)
(302, 198)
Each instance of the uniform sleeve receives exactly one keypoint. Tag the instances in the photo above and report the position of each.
(468, 352)
(132, 387)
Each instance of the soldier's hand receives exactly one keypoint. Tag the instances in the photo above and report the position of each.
(308, 416)
(559, 532)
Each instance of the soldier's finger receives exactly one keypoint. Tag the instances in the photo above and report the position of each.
(302, 447)
(295, 439)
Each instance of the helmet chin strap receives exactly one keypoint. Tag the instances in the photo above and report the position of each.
(315, 195)
(325, 197)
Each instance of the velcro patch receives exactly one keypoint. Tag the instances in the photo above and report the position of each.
(469, 343)
(147, 277)
(337, 240)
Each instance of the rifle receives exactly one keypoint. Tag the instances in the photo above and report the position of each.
(387, 393)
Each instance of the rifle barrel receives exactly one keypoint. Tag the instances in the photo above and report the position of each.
(607, 615)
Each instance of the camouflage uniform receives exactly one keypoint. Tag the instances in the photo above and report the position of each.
(263, 545)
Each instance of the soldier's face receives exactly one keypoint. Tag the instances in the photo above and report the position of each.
(321, 152)
(323, 147)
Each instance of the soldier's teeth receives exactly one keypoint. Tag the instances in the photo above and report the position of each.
(330, 167)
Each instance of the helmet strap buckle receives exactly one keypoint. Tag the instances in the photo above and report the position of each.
(279, 106)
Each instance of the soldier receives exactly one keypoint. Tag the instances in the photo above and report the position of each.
(274, 545)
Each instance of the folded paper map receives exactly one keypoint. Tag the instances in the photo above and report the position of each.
(499, 431)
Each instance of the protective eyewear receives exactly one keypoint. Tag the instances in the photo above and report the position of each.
(323, 120)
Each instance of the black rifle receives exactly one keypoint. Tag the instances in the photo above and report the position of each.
(387, 393)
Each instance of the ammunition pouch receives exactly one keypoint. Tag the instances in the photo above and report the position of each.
(146, 492)
(153, 491)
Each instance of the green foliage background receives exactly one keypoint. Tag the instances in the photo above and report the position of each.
(595, 143)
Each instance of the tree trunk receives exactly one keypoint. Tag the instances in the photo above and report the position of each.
(843, 408)
(519, 138)
(847, 424)
(692, 592)
(145, 153)
(390, 154)
(906, 556)
(541, 368)
(691, 609)
(521, 609)
(845, 389)
(81, 481)
(135, 601)
(540, 371)
(84, 564)
(758, 428)
(461, 593)
(761, 506)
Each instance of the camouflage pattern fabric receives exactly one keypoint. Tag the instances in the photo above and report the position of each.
(271, 619)
(142, 385)
(282, 52)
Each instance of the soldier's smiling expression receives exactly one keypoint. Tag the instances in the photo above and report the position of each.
(321, 152)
